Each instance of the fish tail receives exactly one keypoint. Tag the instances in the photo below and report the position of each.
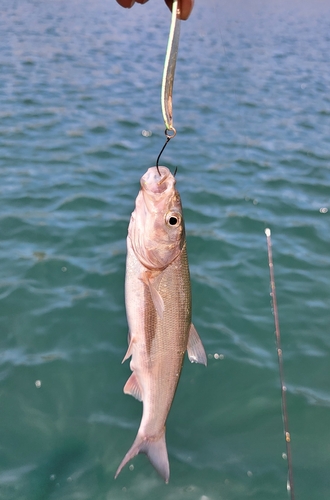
(155, 449)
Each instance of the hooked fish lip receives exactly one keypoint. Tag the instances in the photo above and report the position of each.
(155, 184)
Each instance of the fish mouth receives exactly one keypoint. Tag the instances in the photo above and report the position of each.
(157, 181)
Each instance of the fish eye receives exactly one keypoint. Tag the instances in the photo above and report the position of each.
(173, 219)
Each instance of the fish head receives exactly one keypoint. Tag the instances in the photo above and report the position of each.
(156, 228)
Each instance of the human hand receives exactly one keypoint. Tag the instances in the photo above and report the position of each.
(185, 6)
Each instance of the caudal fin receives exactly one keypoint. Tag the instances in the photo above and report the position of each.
(156, 452)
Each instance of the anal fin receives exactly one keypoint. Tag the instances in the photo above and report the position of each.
(195, 348)
(133, 388)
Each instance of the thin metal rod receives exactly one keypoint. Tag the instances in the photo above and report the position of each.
(280, 364)
(169, 67)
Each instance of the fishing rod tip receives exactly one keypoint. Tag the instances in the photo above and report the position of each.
(267, 232)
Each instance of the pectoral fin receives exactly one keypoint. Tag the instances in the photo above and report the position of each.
(156, 299)
(151, 279)
(133, 388)
(196, 351)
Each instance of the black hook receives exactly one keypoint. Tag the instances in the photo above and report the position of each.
(160, 154)
(170, 133)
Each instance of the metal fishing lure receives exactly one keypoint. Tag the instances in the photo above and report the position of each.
(168, 76)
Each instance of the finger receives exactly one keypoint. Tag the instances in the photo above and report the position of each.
(129, 3)
(185, 7)
(126, 3)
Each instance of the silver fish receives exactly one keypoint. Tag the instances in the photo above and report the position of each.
(158, 306)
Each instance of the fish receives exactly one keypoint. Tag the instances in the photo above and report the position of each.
(158, 309)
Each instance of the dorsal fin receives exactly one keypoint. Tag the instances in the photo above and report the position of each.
(196, 351)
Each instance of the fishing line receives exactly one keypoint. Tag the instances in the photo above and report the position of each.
(280, 364)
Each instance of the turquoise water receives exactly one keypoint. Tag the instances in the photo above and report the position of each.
(80, 123)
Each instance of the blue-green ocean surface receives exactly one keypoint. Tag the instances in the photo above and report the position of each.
(80, 122)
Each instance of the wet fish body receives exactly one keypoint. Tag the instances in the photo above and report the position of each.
(158, 306)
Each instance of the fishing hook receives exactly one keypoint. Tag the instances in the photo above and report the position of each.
(170, 133)
(160, 154)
